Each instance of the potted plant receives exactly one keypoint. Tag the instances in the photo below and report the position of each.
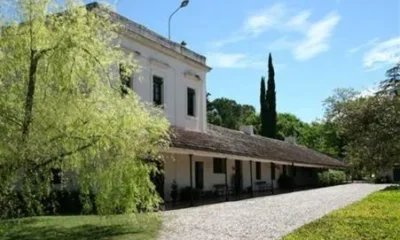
(174, 191)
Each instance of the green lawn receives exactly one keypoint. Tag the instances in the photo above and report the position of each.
(118, 227)
(376, 217)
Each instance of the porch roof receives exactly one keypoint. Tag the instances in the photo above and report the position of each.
(222, 140)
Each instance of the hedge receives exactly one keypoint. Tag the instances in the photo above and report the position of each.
(331, 177)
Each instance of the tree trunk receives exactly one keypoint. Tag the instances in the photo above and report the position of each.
(30, 96)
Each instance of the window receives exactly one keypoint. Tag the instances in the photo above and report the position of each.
(157, 90)
(258, 170)
(191, 96)
(219, 165)
(125, 79)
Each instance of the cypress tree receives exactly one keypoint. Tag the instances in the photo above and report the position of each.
(263, 110)
(271, 117)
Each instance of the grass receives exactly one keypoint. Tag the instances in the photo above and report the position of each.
(377, 217)
(118, 227)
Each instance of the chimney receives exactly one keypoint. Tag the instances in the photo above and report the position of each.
(247, 129)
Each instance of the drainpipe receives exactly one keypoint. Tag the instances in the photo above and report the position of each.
(251, 178)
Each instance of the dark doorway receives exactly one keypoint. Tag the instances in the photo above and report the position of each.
(199, 175)
(238, 177)
(396, 174)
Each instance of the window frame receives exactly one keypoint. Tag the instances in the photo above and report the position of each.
(219, 165)
(191, 102)
(160, 82)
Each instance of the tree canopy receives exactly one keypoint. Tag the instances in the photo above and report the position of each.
(370, 126)
(61, 108)
(230, 114)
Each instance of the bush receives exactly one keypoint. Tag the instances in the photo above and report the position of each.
(286, 182)
(331, 177)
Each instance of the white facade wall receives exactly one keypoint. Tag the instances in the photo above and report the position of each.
(177, 76)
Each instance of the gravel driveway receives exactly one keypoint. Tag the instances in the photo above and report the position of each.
(269, 217)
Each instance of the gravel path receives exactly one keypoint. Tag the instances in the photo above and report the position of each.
(268, 217)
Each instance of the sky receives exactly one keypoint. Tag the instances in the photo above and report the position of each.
(317, 46)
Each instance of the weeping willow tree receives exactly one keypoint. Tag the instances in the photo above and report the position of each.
(61, 107)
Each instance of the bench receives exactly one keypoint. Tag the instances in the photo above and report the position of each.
(263, 186)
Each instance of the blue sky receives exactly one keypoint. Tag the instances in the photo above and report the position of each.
(316, 45)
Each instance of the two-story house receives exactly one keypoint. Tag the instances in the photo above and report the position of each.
(204, 156)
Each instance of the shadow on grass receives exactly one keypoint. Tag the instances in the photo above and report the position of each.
(52, 232)
(392, 188)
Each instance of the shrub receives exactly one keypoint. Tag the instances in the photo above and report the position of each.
(286, 182)
(331, 177)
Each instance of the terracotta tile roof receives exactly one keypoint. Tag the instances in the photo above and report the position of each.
(222, 140)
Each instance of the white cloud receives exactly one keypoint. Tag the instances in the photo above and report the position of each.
(228, 60)
(262, 21)
(310, 39)
(316, 39)
(233, 39)
(239, 60)
(362, 46)
(383, 53)
(282, 43)
(300, 21)
(254, 25)
(368, 92)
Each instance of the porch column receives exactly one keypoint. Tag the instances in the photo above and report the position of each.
(251, 177)
(272, 176)
(293, 175)
(226, 180)
(191, 178)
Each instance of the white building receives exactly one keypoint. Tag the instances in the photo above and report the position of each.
(208, 158)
